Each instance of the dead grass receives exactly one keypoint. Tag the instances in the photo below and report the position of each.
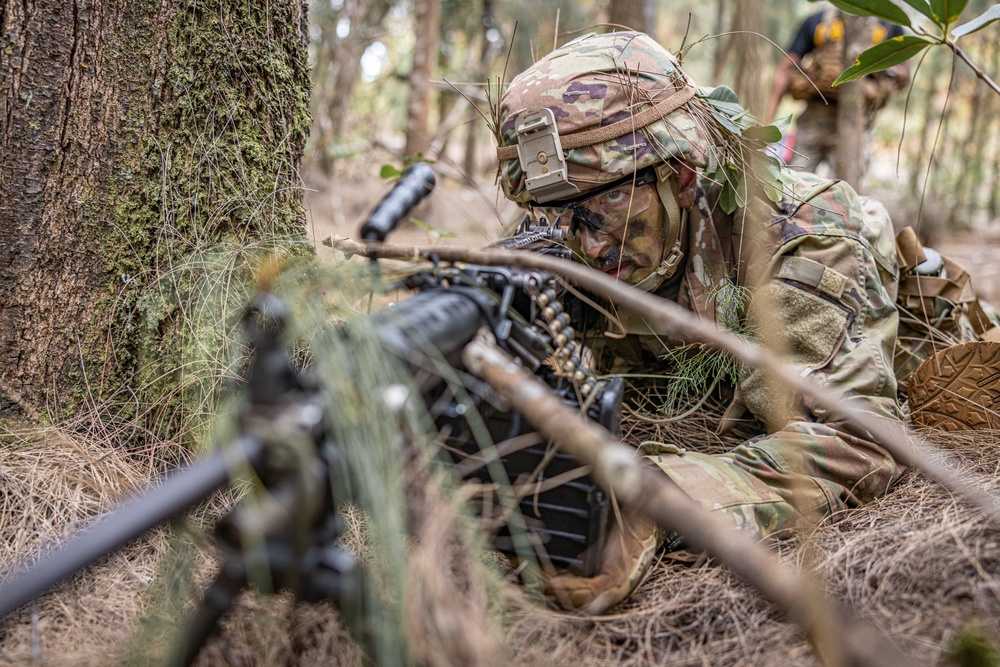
(918, 564)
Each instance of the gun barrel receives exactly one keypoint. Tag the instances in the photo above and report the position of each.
(415, 184)
(177, 493)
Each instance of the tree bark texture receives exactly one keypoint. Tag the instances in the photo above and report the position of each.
(635, 14)
(427, 23)
(851, 116)
(133, 133)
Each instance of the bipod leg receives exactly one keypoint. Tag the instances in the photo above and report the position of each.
(218, 599)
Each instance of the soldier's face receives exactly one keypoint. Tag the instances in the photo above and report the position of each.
(629, 245)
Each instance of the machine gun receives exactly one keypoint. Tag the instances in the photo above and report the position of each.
(285, 441)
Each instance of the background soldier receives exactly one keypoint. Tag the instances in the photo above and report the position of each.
(818, 49)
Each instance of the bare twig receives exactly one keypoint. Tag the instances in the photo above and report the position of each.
(662, 315)
(838, 639)
(980, 74)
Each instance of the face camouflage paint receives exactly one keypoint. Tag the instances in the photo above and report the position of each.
(606, 210)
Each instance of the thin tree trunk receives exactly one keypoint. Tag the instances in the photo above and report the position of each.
(993, 191)
(851, 115)
(634, 14)
(485, 54)
(132, 133)
(723, 45)
(749, 83)
(970, 155)
(427, 21)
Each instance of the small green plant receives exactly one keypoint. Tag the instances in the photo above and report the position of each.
(699, 369)
(972, 648)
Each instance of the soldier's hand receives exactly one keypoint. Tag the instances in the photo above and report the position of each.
(627, 554)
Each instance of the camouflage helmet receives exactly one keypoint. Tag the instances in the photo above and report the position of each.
(594, 111)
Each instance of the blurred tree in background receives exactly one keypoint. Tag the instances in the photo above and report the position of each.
(363, 57)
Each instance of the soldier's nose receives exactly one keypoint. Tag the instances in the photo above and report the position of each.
(593, 243)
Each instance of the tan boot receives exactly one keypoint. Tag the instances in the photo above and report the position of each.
(958, 388)
(627, 554)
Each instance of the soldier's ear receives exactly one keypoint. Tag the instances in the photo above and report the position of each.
(687, 183)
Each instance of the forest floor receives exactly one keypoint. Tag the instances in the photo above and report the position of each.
(920, 565)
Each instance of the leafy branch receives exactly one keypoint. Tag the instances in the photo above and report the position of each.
(941, 13)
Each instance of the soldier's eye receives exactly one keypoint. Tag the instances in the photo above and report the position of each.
(616, 196)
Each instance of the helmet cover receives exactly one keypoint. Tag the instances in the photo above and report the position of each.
(591, 86)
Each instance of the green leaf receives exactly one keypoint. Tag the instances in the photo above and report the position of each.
(722, 94)
(978, 23)
(767, 134)
(388, 171)
(724, 119)
(883, 9)
(883, 56)
(946, 11)
(783, 123)
(922, 7)
(734, 190)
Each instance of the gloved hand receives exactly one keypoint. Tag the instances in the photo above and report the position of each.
(628, 552)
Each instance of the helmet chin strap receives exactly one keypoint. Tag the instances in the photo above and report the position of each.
(666, 188)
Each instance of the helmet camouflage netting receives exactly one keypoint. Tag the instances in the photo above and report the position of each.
(594, 82)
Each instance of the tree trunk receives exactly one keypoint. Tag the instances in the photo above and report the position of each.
(635, 14)
(851, 117)
(968, 157)
(427, 22)
(749, 83)
(486, 52)
(723, 45)
(338, 68)
(133, 132)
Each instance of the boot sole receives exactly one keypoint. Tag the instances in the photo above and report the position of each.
(958, 388)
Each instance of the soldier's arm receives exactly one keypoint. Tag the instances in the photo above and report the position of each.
(830, 304)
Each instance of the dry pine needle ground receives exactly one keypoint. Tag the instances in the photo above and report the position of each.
(918, 564)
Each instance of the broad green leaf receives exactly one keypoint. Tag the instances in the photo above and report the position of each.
(883, 9)
(723, 118)
(734, 190)
(388, 171)
(722, 94)
(883, 56)
(774, 177)
(767, 134)
(730, 109)
(922, 7)
(783, 123)
(989, 16)
(946, 11)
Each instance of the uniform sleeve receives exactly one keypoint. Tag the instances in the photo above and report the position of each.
(829, 306)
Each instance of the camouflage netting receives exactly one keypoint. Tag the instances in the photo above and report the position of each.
(918, 564)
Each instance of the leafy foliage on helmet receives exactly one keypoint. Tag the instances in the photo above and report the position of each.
(598, 80)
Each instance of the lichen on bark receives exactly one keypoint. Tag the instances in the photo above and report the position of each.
(177, 137)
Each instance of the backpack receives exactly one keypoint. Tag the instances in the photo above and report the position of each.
(820, 67)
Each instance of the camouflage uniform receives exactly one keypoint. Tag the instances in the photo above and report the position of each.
(821, 263)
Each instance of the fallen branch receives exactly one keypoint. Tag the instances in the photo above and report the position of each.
(837, 638)
(906, 446)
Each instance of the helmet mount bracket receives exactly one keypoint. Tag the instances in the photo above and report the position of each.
(540, 152)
